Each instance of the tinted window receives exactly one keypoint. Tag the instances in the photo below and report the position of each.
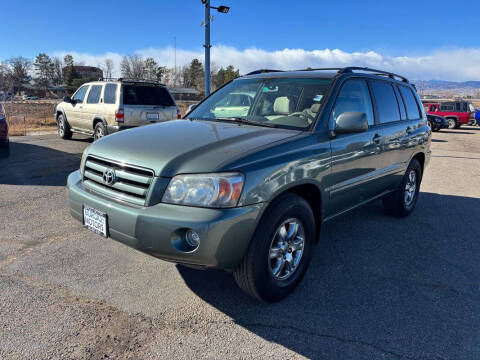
(94, 94)
(80, 94)
(354, 96)
(385, 101)
(401, 104)
(110, 94)
(410, 102)
(146, 95)
(447, 106)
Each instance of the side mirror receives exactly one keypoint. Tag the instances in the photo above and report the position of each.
(351, 122)
(67, 99)
(191, 107)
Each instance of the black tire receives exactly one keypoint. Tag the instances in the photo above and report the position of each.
(435, 129)
(452, 123)
(396, 203)
(255, 275)
(458, 126)
(100, 131)
(63, 128)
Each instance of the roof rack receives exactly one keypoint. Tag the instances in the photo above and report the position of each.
(340, 70)
(130, 80)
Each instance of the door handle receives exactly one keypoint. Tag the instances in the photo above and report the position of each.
(409, 130)
(377, 138)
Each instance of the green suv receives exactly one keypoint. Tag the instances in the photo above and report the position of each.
(249, 192)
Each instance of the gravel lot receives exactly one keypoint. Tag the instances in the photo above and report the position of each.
(377, 288)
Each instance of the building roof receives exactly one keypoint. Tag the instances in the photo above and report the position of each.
(181, 90)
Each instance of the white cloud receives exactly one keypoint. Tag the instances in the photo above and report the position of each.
(445, 64)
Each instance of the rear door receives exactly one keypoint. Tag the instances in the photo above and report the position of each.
(392, 128)
(413, 134)
(356, 157)
(92, 107)
(144, 104)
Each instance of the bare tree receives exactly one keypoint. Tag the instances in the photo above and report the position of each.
(19, 71)
(108, 68)
(58, 73)
(133, 66)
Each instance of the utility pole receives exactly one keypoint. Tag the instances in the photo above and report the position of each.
(207, 45)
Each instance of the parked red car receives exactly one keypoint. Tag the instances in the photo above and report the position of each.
(4, 141)
(457, 113)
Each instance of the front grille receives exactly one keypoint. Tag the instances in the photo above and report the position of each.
(131, 183)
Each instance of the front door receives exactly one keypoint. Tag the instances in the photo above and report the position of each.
(74, 110)
(356, 157)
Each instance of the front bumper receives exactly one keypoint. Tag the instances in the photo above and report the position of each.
(224, 233)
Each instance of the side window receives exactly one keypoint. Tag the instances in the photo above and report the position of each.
(410, 102)
(80, 94)
(385, 101)
(447, 106)
(94, 94)
(110, 94)
(401, 103)
(354, 96)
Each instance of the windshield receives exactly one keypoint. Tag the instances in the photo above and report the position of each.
(286, 102)
(146, 95)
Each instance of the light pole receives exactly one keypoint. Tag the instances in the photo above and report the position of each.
(207, 46)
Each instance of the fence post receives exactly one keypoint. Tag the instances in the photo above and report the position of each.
(24, 126)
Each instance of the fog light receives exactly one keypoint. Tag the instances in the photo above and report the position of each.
(192, 238)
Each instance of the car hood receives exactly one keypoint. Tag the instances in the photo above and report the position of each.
(185, 146)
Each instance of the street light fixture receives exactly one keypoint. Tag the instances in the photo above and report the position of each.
(221, 9)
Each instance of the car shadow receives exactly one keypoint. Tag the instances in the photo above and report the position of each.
(439, 141)
(377, 287)
(457, 132)
(32, 164)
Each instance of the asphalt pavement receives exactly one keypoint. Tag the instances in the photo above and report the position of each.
(377, 288)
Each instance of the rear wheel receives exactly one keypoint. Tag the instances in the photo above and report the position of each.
(100, 131)
(452, 123)
(402, 202)
(63, 128)
(280, 250)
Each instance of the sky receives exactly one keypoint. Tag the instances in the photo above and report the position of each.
(422, 39)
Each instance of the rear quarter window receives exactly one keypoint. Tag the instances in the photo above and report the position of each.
(411, 104)
(110, 94)
(146, 95)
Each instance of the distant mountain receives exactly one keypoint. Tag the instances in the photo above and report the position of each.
(442, 86)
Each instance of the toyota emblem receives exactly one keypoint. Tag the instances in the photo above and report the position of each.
(109, 176)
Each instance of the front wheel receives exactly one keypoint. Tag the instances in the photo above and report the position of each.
(63, 128)
(402, 201)
(280, 250)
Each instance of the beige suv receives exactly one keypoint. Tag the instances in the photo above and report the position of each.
(103, 107)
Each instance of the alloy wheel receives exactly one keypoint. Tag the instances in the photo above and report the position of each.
(286, 249)
(410, 188)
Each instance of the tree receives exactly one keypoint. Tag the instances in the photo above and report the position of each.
(19, 69)
(108, 68)
(68, 60)
(58, 71)
(196, 74)
(45, 71)
(225, 75)
(133, 67)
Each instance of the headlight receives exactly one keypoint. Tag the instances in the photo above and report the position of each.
(84, 158)
(221, 190)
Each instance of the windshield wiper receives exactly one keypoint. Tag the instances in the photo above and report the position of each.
(241, 120)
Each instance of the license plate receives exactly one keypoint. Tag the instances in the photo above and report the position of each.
(95, 220)
(152, 116)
